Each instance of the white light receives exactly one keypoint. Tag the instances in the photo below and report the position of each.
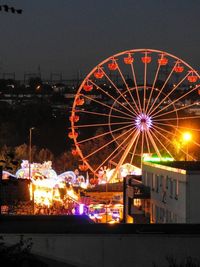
(143, 122)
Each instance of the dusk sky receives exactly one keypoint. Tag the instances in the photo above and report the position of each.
(75, 35)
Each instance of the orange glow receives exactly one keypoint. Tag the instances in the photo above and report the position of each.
(46, 192)
(163, 61)
(87, 87)
(72, 135)
(74, 118)
(192, 78)
(128, 60)
(83, 167)
(75, 152)
(112, 65)
(146, 59)
(187, 136)
(99, 74)
(179, 68)
(80, 101)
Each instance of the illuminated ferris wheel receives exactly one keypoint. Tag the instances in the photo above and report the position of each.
(135, 103)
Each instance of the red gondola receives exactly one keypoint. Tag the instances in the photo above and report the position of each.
(74, 152)
(179, 68)
(128, 60)
(112, 65)
(192, 78)
(83, 167)
(72, 135)
(163, 61)
(80, 101)
(88, 87)
(146, 59)
(74, 118)
(99, 74)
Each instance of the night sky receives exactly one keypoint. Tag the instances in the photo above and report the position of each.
(72, 36)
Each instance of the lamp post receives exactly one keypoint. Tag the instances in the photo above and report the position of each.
(187, 136)
(30, 150)
(30, 161)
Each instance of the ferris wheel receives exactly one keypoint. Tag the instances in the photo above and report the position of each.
(134, 103)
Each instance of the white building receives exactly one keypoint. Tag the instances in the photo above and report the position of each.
(175, 191)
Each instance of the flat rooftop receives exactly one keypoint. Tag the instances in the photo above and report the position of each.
(183, 165)
(44, 224)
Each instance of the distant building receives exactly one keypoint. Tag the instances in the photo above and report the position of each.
(174, 189)
(136, 200)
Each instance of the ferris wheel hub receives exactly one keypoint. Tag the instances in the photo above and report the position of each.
(143, 122)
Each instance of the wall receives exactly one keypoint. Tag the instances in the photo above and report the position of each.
(174, 207)
(116, 250)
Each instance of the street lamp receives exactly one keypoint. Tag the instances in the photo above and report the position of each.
(187, 136)
(30, 150)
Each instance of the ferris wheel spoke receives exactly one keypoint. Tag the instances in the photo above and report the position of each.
(117, 89)
(134, 134)
(142, 148)
(114, 99)
(162, 88)
(177, 99)
(127, 87)
(116, 155)
(170, 141)
(134, 149)
(192, 141)
(102, 114)
(100, 124)
(124, 140)
(181, 127)
(103, 134)
(145, 83)
(180, 132)
(136, 87)
(154, 144)
(152, 88)
(167, 96)
(147, 142)
(160, 142)
(110, 142)
(175, 110)
(105, 105)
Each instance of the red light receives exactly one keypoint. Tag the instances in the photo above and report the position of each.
(99, 74)
(74, 152)
(179, 68)
(83, 167)
(192, 78)
(128, 60)
(80, 101)
(74, 118)
(112, 65)
(72, 135)
(88, 87)
(146, 59)
(163, 61)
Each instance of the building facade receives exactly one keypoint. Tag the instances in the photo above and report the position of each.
(174, 190)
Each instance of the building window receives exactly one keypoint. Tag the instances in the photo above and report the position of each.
(153, 182)
(161, 180)
(157, 183)
(176, 188)
(171, 188)
(167, 182)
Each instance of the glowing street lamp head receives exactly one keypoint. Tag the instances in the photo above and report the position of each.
(187, 136)
(143, 122)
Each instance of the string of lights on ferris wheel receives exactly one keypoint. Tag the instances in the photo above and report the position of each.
(139, 115)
